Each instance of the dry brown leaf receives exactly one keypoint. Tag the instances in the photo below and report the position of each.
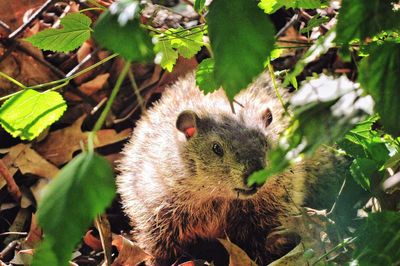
(84, 51)
(27, 160)
(129, 253)
(104, 228)
(291, 34)
(237, 257)
(182, 67)
(23, 257)
(60, 145)
(12, 12)
(37, 188)
(93, 242)
(23, 68)
(95, 84)
(34, 236)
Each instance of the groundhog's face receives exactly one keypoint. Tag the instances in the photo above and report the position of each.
(220, 155)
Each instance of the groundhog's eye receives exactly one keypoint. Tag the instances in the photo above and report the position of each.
(217, 149)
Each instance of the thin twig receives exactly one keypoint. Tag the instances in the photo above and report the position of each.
(55, 82)
(12, 186)
(34, 16)
(136, 91)
(272, 75)
(288, 25)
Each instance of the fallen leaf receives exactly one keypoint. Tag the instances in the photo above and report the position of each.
(129, 253)
(28, 161)
(93, 242)
(37, 188)
(237, 257)
(104, 228)
(34, 236)
(22, 257)
(12, 12)
(95, 84)
(23, 68)
(60, 145)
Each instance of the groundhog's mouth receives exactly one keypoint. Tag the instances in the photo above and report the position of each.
(246, 191)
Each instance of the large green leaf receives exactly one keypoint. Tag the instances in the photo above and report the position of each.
(378, 240)
(82, 190)
(27, 114)
(121, 33)
(242, 37)
(360, 19)
(76, 30)
(379, 75)
(362, 170)
(270, 6)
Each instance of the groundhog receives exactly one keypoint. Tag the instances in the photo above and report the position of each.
(183, 180)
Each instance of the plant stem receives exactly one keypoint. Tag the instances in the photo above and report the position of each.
(91, 9)
(93, 2)
(75, 75)
(136, 91)
(272, 74)
(64, 81)
(103, 116)
(58, 86)
(10, 79)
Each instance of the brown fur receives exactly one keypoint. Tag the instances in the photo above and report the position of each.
(180, 199)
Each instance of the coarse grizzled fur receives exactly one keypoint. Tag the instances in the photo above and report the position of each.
(181, 196)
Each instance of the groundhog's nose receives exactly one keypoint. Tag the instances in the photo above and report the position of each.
(253, 165)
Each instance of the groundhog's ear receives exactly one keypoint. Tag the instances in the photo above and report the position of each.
(187, 123)
(267, 117)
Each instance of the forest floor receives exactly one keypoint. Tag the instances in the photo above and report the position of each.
(30, 165)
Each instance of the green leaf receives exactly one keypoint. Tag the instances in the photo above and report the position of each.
(129, 39)
(205, 76)
(173, 41)
(76, 30)
(199, 5)
(362, 170)
(81, 191)
(363, 142)
(270, 6)
(242, 38)
(378, 240)
(358, 20)
(325, 109)
(187, 42)
(316, 21)
(27, 114)
(383, 85)
(166, 54)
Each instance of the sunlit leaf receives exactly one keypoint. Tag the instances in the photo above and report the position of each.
(242, 38)
(74, 32)
(27, 114)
